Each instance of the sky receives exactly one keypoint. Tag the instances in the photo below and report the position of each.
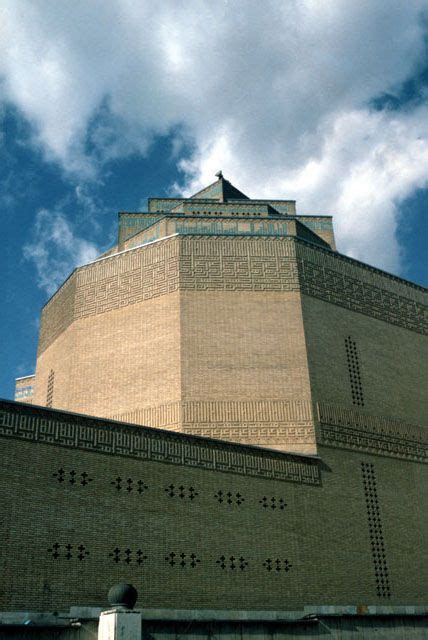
(103, 104)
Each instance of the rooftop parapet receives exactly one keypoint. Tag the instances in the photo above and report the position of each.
(226, 226)
(168, 205)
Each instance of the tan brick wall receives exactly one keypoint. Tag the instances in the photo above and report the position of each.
(111, 283)
(60, 487)
(58, 313)
(244, 367)
(57, 358)
(199, 333)
(116, 361)
(203, 361)
(392, 362)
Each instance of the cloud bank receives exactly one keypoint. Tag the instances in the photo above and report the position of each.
(279, 95)
(56, 249)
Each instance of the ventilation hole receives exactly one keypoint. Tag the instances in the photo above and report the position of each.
(183, 560)
(50, 388)
(354, 372)
(375, 531)
(229, 497)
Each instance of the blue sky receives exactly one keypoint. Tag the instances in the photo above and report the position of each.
(105, 104)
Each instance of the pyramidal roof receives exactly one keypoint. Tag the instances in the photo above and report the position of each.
(222, 190)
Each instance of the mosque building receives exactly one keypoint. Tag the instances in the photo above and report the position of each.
(227, 413)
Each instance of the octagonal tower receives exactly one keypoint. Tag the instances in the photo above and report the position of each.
(236, 319)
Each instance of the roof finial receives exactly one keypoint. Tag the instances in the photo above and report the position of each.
(219, 175)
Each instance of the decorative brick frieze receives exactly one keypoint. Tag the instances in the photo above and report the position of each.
(351, 429)
(352, 268)
(256, 433)
(58, 313)
(167, 416)
(259, 422)
(232, 264)
(289, 264)
(111, 283)
(238, 411)
(128, 278)
(238, 264)
(91, 434)
(354, 294)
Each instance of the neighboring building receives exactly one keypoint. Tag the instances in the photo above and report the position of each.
(236, 319)
(24, 389)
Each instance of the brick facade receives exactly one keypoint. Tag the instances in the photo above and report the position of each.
(246, 327)
(197, 523)
(231, 337)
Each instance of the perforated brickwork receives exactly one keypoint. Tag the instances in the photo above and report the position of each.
(50, 388)
(149, 444)
(354, 371)
(223, 526)
(375, 529)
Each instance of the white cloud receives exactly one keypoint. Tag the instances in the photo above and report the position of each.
(275, 93)
(367, 165)
(56, 249)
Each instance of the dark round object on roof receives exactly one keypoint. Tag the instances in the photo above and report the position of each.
(122, 595)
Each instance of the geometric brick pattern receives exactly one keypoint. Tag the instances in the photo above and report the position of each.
(233, 264)
(257, 433)
(58, 313)
(277, 565)
(72, 477)
(167, 416)
(92, 434)
(238, 415)
(348, 428)
(292, 264)
(278, 531)
(375, 530)
(68, 551)
(354, 371)
(241, 411)
(50, 388)
(184, 493)
(260, 422)
(173, 559)
(237, 264)
(332, 285)
(129, 278)
(111, 283)
(271, 264)
(130, 556)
